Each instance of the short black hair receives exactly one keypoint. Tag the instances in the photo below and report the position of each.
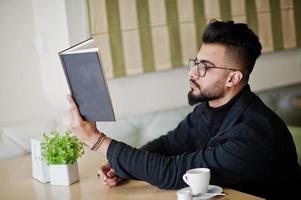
(238, 38)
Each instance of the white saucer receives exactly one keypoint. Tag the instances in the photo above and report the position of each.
(213, 189)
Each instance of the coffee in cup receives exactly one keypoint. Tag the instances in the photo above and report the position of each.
(198, 180)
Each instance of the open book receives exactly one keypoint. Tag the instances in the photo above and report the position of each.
(87, 82)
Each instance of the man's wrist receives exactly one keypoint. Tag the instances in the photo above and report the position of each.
(99, 142)
(93, 138)
(105, 145)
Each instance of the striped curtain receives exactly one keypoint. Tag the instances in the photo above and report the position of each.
(139, 36)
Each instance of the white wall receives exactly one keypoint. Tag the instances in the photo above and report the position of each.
(277, 69)
(32, 83)
(77, 18)
(21, 93)
(55, 22)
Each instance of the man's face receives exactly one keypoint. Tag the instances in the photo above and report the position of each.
(213, 85)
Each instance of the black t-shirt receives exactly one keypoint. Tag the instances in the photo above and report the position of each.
(219, 114)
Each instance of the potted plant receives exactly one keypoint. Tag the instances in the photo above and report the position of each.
(61, 153)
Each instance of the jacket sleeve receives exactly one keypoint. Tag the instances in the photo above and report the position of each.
(231, 160)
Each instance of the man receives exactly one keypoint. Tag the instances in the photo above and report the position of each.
(245, 144)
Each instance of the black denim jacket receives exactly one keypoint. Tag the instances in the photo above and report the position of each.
(253, 151)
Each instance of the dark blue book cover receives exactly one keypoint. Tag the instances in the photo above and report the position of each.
(87, 84)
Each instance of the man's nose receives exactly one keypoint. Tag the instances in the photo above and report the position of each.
(193, 74)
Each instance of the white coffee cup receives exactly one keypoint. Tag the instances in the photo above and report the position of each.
(184, 195)
(198, 180)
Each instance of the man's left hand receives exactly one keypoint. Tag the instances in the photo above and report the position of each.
(84, 130)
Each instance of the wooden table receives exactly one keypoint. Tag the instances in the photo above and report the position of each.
(16, 182)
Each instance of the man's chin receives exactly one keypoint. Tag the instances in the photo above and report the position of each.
(194, 99)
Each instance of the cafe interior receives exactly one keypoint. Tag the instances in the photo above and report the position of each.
(144, 48)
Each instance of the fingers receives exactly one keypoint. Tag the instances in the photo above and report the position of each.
(111, 173)
(108, 181)
(108, 175)
(102, 173)
(107, 170)
(74, 110)
(111, 182)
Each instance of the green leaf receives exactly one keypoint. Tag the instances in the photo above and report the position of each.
(61, 149)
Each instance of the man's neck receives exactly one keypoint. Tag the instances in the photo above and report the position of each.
(232, 92)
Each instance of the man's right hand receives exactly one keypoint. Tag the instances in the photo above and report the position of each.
(108, 175)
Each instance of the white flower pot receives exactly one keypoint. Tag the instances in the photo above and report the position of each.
(63, 174)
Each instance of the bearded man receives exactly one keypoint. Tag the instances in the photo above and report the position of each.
(230, 131)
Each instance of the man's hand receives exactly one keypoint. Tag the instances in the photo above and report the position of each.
(108, 175)
(84, 130)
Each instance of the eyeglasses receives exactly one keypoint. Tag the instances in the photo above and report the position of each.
(202, 66)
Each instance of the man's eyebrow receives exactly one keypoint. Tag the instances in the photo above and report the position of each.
(207, 61)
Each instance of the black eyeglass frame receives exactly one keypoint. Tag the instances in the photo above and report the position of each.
(197, 63)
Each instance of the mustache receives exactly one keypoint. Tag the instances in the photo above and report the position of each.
(193, 81)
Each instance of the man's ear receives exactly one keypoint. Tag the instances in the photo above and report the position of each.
(234, 78)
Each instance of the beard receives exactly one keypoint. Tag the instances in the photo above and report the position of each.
(216, 91)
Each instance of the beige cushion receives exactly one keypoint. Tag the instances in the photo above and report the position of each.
(121, 130)
(22, 133)
(8, 148)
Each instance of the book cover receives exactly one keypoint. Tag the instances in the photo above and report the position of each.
(87, 82)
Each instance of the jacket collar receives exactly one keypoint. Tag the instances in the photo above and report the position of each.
(244, 99)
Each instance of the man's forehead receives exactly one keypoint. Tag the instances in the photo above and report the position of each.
(212, 52)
